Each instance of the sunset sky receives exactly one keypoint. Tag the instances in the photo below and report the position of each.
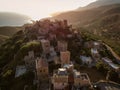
(38, 9)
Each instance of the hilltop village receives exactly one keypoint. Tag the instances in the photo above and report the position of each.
(63, 55)
(53, 37)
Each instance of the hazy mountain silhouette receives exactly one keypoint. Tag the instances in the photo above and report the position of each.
(13, 19)
(99, 3)
(87, 16)
(90, 12)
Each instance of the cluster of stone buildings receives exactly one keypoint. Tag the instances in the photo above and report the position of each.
(48, 29)
(68, 78)
(44, 32)
(50, 54)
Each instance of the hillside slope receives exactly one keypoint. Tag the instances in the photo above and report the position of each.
(3, 38)
(88, 16)
(9, 31)
(99, 3)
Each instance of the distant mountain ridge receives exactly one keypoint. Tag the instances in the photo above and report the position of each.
(99, 3)
(104, 20)
(9, 23)
(13, 19)
(88, 16)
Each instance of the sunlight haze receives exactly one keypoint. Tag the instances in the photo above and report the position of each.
(38, 9)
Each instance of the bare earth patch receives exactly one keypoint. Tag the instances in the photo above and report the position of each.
(93, 74)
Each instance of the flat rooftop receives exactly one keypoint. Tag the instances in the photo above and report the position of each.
(62, 71)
